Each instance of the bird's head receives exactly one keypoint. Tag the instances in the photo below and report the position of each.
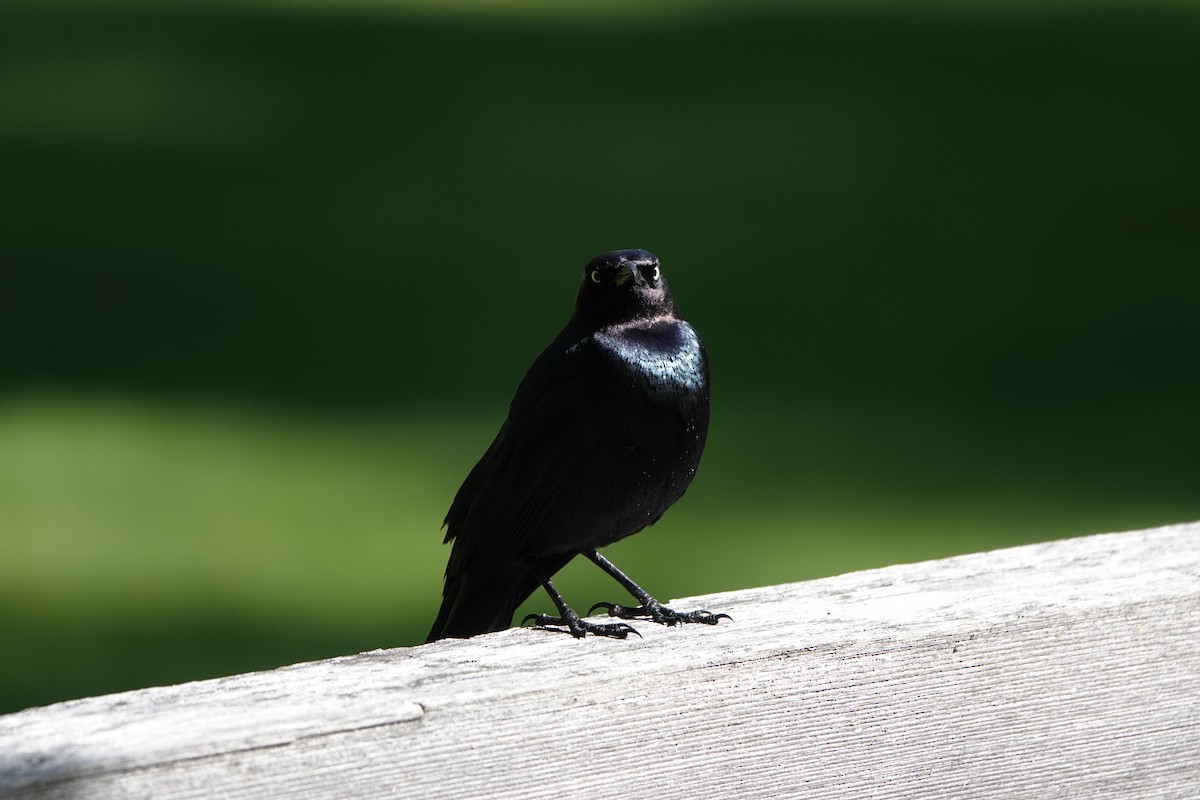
(622, 286)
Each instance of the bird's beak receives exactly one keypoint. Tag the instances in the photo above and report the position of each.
(626, 273)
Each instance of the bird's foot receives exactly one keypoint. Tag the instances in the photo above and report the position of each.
(657, 612)
(579, 628)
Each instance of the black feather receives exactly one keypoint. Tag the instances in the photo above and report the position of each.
(603, 436)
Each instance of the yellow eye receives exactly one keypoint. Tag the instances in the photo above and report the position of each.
(595, 276)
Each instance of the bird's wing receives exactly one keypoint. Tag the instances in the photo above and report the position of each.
(549, 432)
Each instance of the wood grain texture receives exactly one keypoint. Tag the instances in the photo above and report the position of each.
(1067, 669)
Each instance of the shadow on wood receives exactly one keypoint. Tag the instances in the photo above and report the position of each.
(1063, 669)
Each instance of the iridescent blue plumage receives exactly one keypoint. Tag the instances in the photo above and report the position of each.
(603, 436)
(665, 351)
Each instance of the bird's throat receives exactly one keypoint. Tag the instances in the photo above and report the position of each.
(664, 349)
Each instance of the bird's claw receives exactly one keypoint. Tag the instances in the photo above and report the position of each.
(661, 614)
(579, 628)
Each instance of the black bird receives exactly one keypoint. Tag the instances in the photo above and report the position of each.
(603, 436)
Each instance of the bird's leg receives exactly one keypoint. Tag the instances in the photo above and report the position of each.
(569, 619)
(650, 608)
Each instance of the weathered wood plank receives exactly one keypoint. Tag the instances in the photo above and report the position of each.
(1068, 669)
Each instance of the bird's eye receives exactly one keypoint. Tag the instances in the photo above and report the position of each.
(595, 276)
(657, 272)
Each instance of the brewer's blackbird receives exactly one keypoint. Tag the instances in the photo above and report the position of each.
(603, 436)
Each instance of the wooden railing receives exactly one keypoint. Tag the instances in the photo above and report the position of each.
(1067, 669)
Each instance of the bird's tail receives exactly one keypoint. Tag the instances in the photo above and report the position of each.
(463, 614)
(474, 604)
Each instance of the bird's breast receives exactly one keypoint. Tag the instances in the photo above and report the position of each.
(666, 353)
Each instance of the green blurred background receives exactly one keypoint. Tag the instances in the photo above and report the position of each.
(270, 273)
